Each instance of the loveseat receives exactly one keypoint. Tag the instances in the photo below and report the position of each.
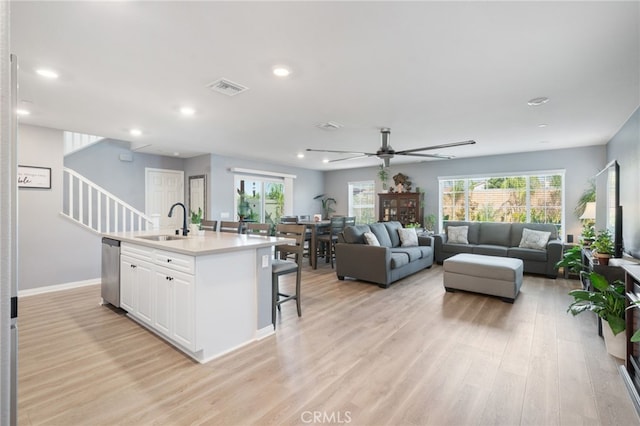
(392, 260)
(538, 254)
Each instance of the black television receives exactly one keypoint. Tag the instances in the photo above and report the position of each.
(608, 208)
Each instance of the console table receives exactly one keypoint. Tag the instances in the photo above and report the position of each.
(631, 370)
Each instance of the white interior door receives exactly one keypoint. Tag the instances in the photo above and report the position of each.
(163, 189)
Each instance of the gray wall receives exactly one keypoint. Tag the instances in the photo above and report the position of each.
(51, 249)
(308, 184)
(580, 165)
(195, 166)
(126, 179)
(625, 148)
(54, 250)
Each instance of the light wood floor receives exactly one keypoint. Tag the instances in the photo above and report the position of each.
(361, 355)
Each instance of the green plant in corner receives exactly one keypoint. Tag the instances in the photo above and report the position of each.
(587, 196)
(606, 300)
(326, 204)
(603, 246)
(572, 260)
(430, 222)
(588, 234)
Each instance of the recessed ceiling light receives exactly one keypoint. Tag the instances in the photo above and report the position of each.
(22, 112)
(187, 111)
(281, 71)
(541, 125)
(538, 101)
(47, 73)
(326, 160)
(300, 155)
(135, 132)
(176, 154)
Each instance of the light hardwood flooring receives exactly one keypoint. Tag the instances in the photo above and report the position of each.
(408, 355)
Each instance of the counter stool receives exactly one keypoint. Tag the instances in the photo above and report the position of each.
(285, 266)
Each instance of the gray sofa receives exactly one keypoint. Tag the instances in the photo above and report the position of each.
(381, 265)
(503, 239)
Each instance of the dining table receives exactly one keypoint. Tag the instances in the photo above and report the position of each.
(316, 227)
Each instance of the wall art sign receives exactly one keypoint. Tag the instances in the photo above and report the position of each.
(34, 177)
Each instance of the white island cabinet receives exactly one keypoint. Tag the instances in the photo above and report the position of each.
(205, 295)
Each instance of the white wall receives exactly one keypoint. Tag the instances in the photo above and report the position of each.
(51, 249)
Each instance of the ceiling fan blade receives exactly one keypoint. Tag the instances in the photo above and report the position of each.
(444, 145)
(351, 158)
(442, 156)
(340, 152)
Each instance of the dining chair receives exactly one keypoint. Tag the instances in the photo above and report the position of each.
(231, 227)
(262, 229)
(289, 219)
(285, 266)
(328, 240)
(209, 225)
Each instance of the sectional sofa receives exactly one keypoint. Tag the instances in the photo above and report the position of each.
(502, 239)
(383, 264)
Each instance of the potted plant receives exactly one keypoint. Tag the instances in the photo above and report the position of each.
(383, 175)
(572, 260)
(430, 223)
(196, 220)
(588, 235)
(607, 300)
(244, 209)
(603, 247)
(326, 205)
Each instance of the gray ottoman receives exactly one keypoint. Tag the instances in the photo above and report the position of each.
(493, 275)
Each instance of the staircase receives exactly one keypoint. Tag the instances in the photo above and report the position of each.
(76, 141)
(95, 208)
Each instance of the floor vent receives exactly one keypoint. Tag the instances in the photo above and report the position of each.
(227, 87)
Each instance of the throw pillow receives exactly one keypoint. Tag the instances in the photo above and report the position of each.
(408, 237)
(534, 239)
(371, 239)
(457, 234)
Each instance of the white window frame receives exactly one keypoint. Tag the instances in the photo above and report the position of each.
(526, 174)
(351, 204)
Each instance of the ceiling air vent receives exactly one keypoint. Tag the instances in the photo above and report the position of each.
(329, 125)
(227, 87)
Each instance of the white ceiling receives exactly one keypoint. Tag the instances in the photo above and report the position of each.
(433, 72)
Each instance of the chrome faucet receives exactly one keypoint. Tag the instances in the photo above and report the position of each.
(185, 230)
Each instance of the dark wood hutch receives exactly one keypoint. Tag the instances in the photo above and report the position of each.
(405, 207)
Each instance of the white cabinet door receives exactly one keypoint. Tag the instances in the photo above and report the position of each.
(145, 292)
(127, 284)
(137, 288)
(184, 312)
(175, 316)
(162, 321)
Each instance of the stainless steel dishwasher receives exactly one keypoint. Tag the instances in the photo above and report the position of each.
(110, 271)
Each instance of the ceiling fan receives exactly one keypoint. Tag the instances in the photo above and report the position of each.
(385, 153)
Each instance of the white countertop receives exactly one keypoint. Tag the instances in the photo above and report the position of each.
(210, 243)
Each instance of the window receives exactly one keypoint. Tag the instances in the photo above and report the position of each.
(259, 200)
(532, 197)
(362, 196)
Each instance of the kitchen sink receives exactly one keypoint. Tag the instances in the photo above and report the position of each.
(161, 237)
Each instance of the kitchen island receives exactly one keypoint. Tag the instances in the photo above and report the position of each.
(206, 295)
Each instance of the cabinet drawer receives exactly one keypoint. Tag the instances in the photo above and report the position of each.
(176, 261)
(139, 252)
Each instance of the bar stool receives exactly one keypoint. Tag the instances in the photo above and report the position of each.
(262, 229)
(285, 266)
(209, 225)
(231, 227)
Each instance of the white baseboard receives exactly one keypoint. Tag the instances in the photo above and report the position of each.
(57, 287)
(265, 332)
